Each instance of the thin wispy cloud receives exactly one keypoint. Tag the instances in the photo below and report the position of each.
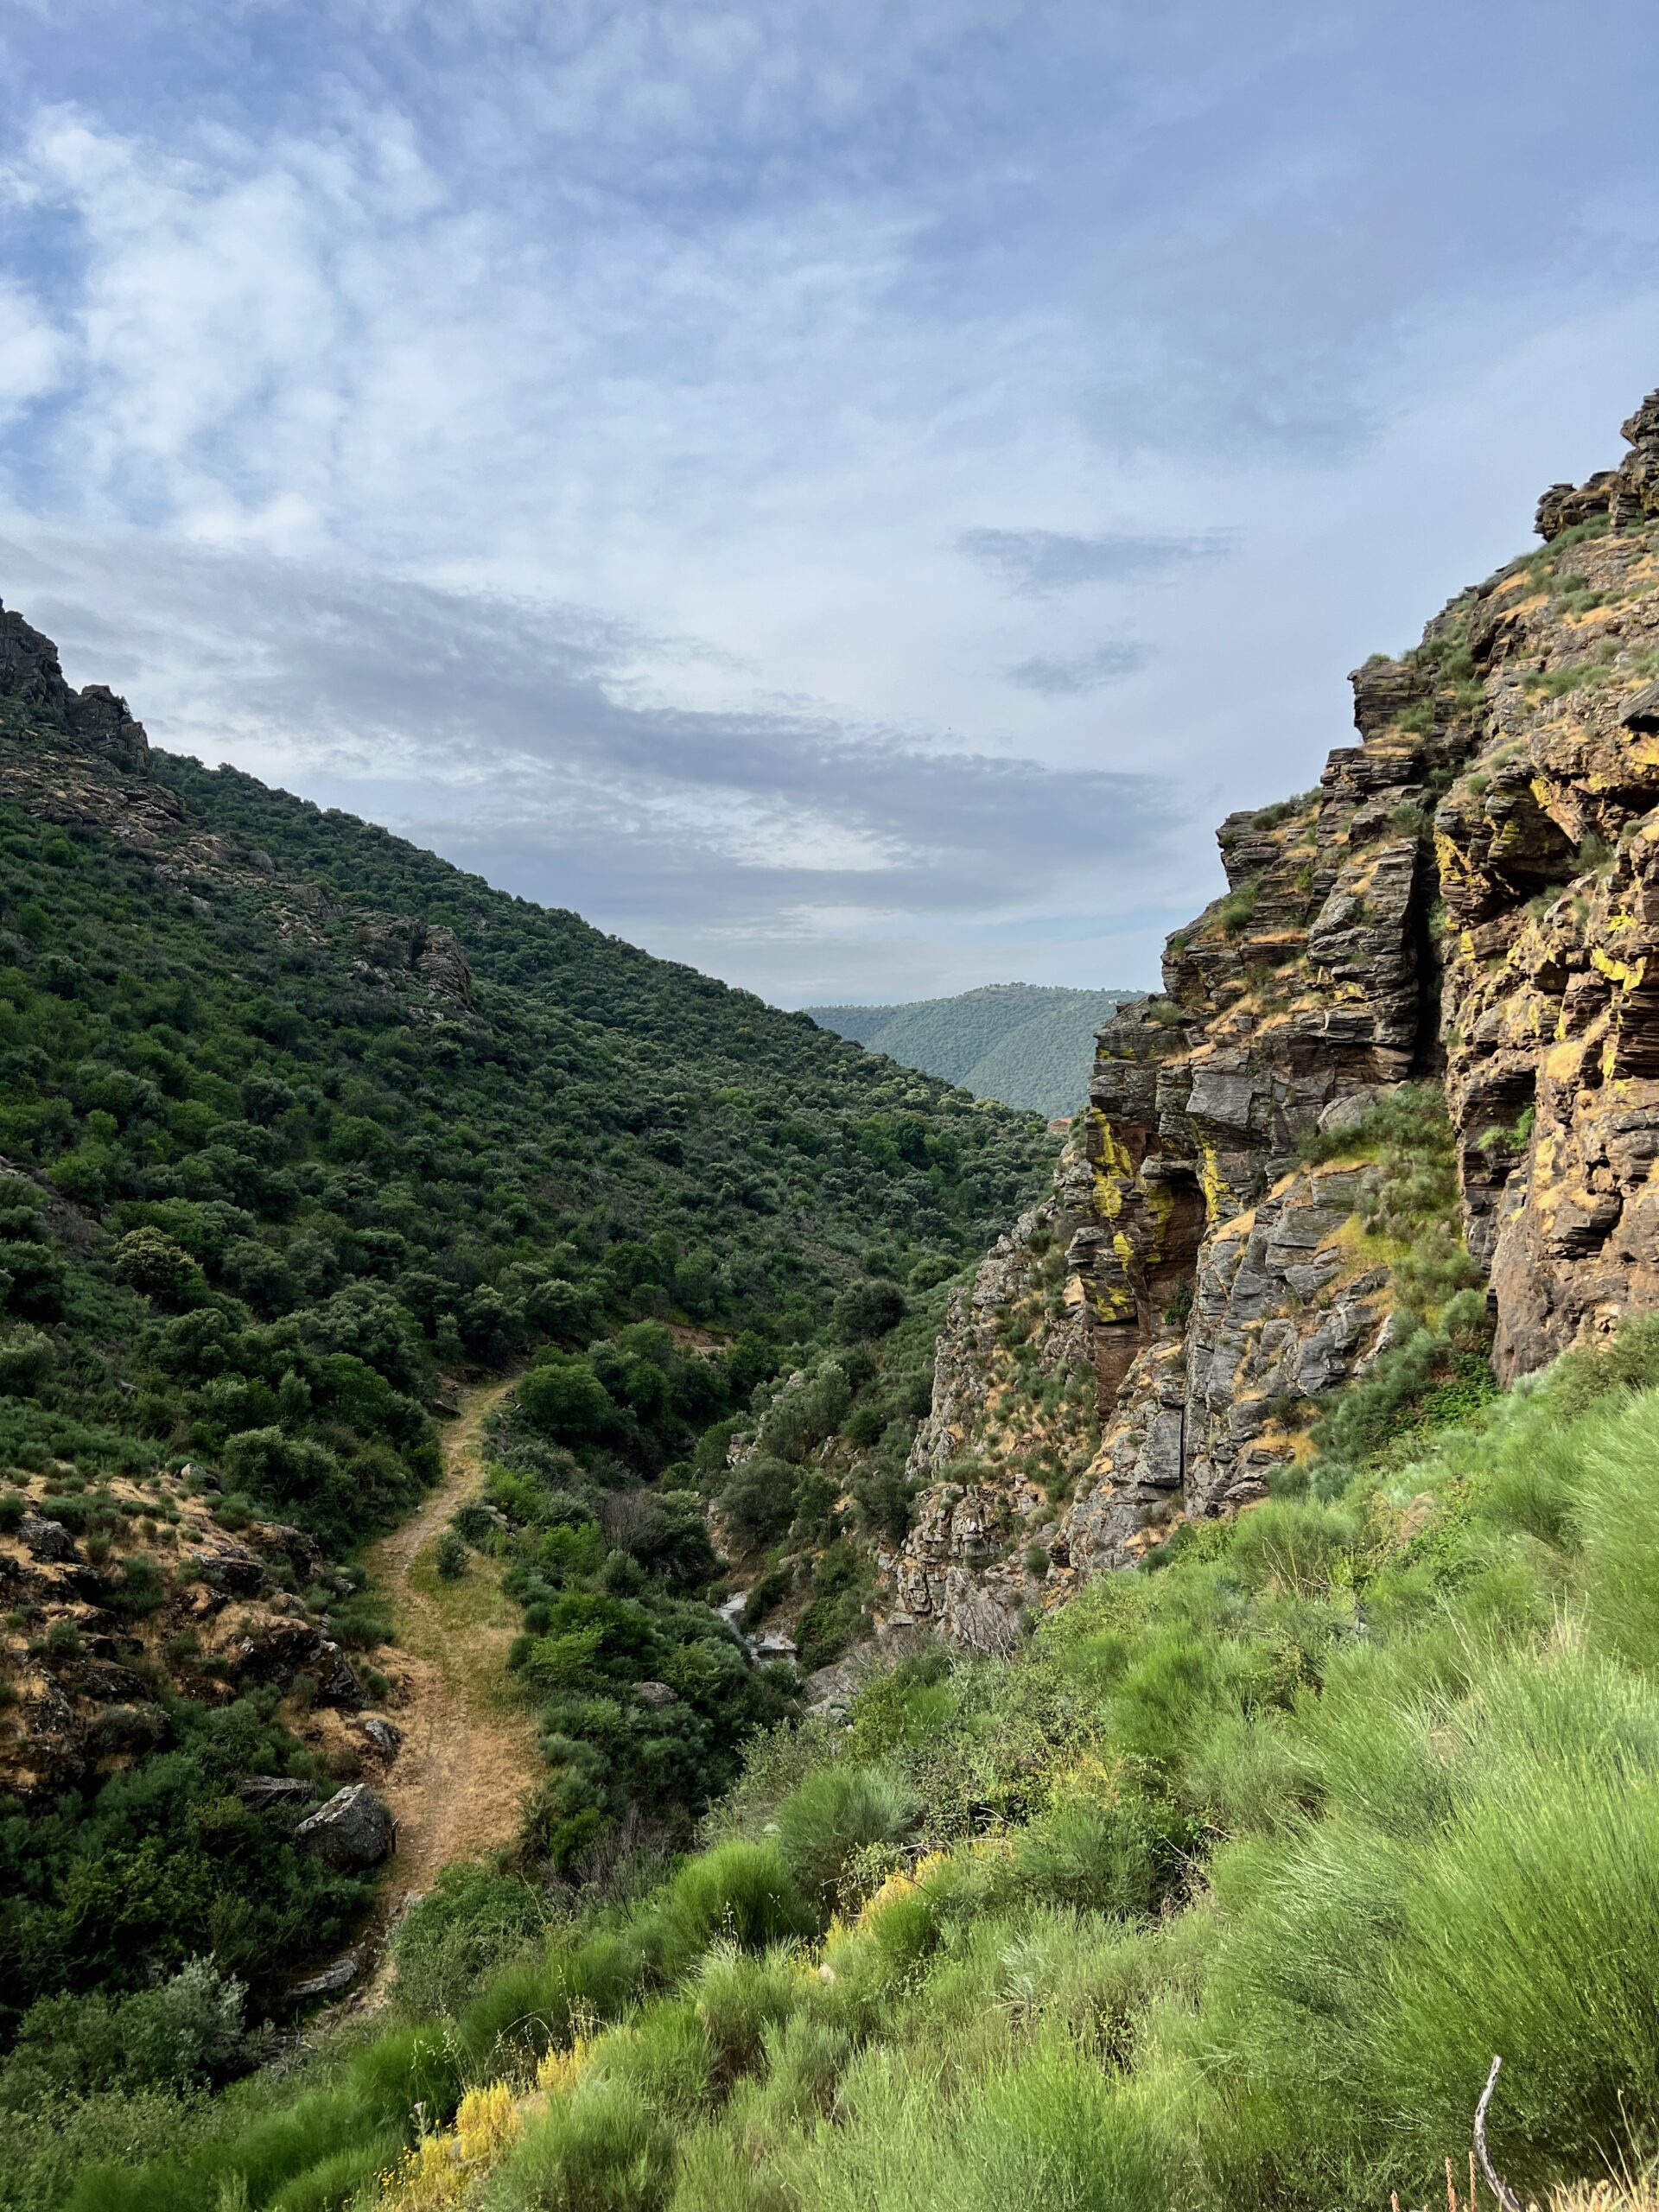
(716, 465)
(1040, 562)
(1078, 672)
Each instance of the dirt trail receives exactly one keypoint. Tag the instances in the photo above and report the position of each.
(468, 1753)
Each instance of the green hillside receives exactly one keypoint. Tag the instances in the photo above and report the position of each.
(1027, 1044)
(298, 1127)
(1223, 1893)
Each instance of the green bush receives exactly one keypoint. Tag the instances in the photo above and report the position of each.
(741, 1996)
(1116, 1859)
(471, 1923)
(187, 2031)
(27, 1358)
(836, 1813)
(868, 1309)
(597, 2150)
(565, 1399)
(741, 1892)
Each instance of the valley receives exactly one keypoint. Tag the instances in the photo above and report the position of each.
(936, 1666)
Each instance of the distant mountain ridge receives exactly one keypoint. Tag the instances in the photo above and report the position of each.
(1027, 1044)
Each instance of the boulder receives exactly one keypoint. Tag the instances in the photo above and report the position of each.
(385, 1738)
(304, 1552)
(352, 1832)
(334, 1978)
(831, 1690)
(1350, 1110)
(47, 1540)
(339, 1685)
(656, 1694)
(230, 1567)
(276, 1649)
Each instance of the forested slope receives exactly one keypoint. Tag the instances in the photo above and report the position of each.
(1027, 1044)
(297, 1122)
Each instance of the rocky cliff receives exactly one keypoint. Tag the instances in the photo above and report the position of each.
(77, 758)
(1466, 910)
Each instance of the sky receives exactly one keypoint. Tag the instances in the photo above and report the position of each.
(845, 493)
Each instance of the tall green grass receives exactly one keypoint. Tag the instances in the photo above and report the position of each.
(1222, 1895)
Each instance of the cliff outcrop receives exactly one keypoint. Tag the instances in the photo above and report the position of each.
(77, 758)
(1467, 904)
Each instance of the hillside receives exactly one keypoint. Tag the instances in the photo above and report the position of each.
(1253, 1771)
(1027, 1043)
(1222, 1891)
(301, 1126)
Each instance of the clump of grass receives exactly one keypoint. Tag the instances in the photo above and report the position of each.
(1234, 914)
(1559, 682)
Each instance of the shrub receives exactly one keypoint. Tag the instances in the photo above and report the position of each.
(596, 2149)
(743, 1892)
(1630, 1362)
(1393, 1962)
(152, 1262)
(1116, 1859)
(450, 1558)
(834, 1814)
(27, 1358)
(569, 1315)
(804, 1413)
(469, 1924)
(187, 2031)
(740, 1996)
(758, 1502)
(565, 1399)
(868, 1309)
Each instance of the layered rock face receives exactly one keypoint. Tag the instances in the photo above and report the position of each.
(1470, 898)
(32, 679)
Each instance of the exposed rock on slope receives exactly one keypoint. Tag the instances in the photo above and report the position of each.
(32, 680)
(1471, 897)
(93, 1642)
(66, 779)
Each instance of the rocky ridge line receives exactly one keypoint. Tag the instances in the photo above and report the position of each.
(95, 769)
(1470, 898)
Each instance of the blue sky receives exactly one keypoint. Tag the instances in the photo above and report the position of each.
(845, 494)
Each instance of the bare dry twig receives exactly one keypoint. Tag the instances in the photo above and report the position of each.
(1500, 2190)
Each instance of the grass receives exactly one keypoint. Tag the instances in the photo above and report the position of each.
(1222, 1893)
(1558, 683)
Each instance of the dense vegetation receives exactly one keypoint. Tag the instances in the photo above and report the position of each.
(275, 1171)
(643, 1697)
(1027, 1044)
(1223, 1892)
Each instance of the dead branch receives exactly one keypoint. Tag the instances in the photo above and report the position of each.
(1500, 2190)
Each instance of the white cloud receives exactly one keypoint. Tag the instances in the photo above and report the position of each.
(390, 388)
(33, 355)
